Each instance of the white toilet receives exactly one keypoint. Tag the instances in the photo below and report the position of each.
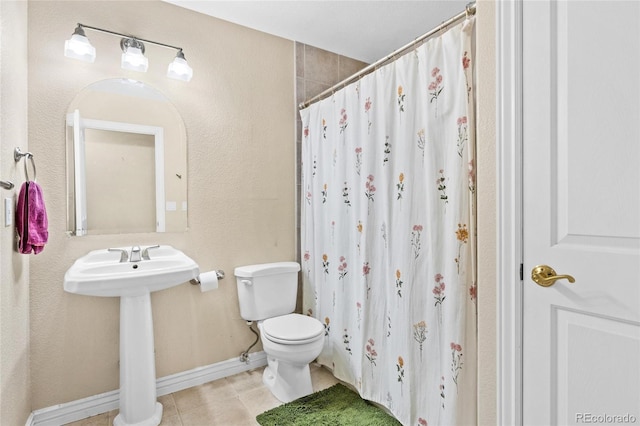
(267, 294)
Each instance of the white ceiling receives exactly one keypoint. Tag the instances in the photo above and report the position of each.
(364, 30)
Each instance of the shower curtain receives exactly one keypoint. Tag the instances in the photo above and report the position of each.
(387, 232)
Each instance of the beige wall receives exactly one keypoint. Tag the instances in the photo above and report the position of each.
(15, 399)
(486, 180)
(239, 114)
(241, 194)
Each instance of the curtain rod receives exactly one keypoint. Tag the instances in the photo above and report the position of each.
(470, 9)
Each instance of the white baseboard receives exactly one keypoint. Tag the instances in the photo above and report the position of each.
(97, 404)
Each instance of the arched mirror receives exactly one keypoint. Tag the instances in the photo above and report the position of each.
(126, 161)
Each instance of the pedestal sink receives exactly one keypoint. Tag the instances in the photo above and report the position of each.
(110, 273)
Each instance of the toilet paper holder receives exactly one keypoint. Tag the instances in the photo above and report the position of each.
(196, 280)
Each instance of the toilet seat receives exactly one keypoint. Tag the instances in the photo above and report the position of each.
(292, 329)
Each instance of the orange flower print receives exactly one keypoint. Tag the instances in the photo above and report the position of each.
(324, 128)
(325, 263)
(400, 369)
(327, 326)
(462, 234)
(398, 283)
(400, 186)
(401, 97)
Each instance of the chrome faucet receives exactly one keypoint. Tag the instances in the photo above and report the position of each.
(124, 256)
(145, 252)
(135, 254)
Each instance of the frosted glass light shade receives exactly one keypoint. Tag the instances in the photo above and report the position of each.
(79, 47)
(180, 70)
(133, 59)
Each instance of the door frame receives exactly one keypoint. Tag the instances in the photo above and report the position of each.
(509, 239)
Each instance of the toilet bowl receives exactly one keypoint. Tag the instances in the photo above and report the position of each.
(267, 294)
(291, 342)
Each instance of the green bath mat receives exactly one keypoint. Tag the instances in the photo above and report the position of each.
(335, 406)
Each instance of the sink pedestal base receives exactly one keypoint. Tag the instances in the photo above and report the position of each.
(138, 404)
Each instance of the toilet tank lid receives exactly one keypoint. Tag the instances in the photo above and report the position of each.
(264, 269)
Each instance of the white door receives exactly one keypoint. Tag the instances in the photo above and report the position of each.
(581, 211)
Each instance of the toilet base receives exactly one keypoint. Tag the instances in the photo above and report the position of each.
(287, 381)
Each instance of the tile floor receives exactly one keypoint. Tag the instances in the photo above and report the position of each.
(232, 401)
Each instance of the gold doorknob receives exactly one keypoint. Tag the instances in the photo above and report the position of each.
(545, 276)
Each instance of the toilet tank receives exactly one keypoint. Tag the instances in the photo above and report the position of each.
(267, 290)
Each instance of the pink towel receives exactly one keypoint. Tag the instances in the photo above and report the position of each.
(31, 219)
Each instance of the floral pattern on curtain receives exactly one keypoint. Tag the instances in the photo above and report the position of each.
(388, 230)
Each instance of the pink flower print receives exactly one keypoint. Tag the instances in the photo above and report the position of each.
(309, 197)
(473, 292)
(415, 240)
(307, 256)
(422, 422)
(438, 292)
(359, 310)
(371, 352)
(306, 131)
(367, 107)
(366, 269)
(472, 176)
(463, 135)
(456, 361)
(358, 159)
(365, 272)
(342, 268)
(465, 61)
(435, 87)
(370, 188)
(343, 120)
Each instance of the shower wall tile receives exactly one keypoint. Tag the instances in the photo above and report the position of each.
(316, 71)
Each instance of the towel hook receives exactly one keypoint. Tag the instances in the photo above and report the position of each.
(18, 154)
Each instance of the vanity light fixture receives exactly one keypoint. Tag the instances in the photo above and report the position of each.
(79, 47)
(133, 55)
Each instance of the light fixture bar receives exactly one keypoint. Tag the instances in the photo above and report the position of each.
(79, 47)
(127, 36)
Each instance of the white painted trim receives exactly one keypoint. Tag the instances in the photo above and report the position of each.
(102, 403)
(509, 198)
(79, 125)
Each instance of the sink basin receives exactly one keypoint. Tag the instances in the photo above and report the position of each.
(100, 273)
